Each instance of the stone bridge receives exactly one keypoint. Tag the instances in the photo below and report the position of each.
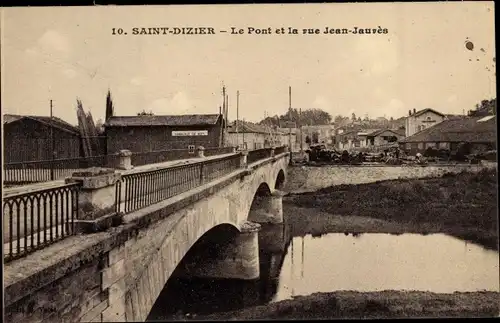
(116, 275)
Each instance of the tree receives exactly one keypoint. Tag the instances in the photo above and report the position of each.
(109, 106)
(485, 108)
(308, 117)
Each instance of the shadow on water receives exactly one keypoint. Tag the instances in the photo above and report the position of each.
(306, 264)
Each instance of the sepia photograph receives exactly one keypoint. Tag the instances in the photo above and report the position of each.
(218, 162)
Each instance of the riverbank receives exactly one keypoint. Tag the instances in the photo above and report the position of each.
(386, 304)
(463, 205)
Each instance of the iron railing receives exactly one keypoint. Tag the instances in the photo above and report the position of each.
(49, 170)
(258, 154)
(138, 190)
(36, 219)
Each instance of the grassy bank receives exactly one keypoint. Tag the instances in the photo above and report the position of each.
(387, 304)
(463, 205)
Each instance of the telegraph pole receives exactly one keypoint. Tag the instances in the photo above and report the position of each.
(238, 117)
(51, 144)
(290, 120)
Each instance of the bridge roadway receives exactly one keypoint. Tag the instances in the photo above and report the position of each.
(117, 274)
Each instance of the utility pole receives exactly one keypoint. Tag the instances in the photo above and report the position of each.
(300, 129)
(224, 120)
(238, 116)
(290, 120)
(52, 177)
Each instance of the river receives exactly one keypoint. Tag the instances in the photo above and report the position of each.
(368, 262)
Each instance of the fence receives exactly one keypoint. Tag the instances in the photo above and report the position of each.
(36, 219)
(21, 173)
(138, 190)
(49, 170)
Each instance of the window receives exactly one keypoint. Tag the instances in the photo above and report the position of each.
(191, 149)
(408, 145)
(420, 145)
(428, 118)
(419, 128)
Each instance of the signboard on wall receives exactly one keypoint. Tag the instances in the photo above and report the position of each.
(189, 133)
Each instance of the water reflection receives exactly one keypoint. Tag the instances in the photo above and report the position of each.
(375, 262)
(339, 261)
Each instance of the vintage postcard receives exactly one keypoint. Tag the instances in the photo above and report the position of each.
(249, 161)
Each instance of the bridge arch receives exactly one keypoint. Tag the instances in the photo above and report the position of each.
(208, 245)
(280, 180)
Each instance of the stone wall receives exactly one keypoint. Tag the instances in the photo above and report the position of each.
(73, 298)
(306, 179)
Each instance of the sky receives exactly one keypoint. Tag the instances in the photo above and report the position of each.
(65, 53)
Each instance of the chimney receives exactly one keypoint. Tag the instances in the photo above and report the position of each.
(409, 112)
(414, 110)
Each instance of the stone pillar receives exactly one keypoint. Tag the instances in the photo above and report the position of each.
(276, 206)
(201, 151)
(243, 160)
(239, 259)
(125, 159)
(96, 199)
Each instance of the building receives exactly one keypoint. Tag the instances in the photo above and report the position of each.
(384, 137)
(146, 133)
(420, 120)
(254, 136)
(28, 138)
(322, 133)
(368, 138)
(479, 132)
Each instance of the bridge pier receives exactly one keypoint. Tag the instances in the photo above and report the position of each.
(238, 259)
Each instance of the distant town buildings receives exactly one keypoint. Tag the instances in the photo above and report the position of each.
(246, 135)
(420, 120)
(368, 138)
(478, 132)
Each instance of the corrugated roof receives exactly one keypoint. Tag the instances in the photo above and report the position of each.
(54, 121)
(457, 130)
(165, 120)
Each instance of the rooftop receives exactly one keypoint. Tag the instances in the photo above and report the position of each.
(54, 121)
(470, 129)
(416, 114)
(163, 120)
